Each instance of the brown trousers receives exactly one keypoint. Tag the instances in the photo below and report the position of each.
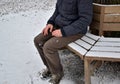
(48, 47)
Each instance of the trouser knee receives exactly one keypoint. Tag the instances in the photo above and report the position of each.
(49, 48)
(38, 41)
(46, 49)
(35, 40)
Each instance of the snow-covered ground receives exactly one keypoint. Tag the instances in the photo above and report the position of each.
(20, 22)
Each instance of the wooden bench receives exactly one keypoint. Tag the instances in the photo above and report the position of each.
(91, 47)
(105, 49)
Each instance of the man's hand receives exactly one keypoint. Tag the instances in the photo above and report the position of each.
(48, 28)
(57, 33)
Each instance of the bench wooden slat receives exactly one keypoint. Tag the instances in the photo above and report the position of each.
(77, 48)
(106, 49)
(83, 44)
(103, 54)
(109, 39)
(94, 37)
(88, 40)
(117, 44)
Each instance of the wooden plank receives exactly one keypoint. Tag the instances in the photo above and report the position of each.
(103, 54)
(77, 53)
(111, 18)
(106, 26)
(106, 49)
(107, 17)
(109, 39)
(88, 40)
(111, 26)
(103, 59)
(101, 21)
(87, 71)
(92, 36)
(112, 9)
(108, 8)
(83, 44)
(77, 48)
(112, 44)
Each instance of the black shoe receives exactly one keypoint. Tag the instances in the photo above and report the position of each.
(45, 74)
(55, 79)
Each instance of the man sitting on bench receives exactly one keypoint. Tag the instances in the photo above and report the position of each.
(68, 23)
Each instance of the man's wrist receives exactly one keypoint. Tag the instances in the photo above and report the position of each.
(50, 22)
(62, 32)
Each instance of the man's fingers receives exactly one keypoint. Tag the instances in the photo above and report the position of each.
(57, 33)
(51, 29)
(45, 31)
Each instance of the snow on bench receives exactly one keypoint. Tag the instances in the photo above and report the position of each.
(105, 49)
(83, 45)
(91, 47)
(108, 48)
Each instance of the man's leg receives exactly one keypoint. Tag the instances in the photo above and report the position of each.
(51, 48)
(39, 41)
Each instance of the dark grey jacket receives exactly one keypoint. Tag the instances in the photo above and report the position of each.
(72, 16)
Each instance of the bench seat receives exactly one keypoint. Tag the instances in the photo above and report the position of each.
(83, 45)
(92, 48)
(105, 49)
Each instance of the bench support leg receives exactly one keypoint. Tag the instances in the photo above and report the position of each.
(87, 71)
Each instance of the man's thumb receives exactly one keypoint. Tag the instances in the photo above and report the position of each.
(51, 29)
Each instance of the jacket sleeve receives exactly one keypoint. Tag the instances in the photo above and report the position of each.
(85, 12)
(52, 18)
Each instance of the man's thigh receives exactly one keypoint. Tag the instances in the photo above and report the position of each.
(41, 39)
(60, 42)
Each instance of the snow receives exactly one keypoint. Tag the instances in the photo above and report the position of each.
(18, 55)
(20, 22)
(107, 5)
